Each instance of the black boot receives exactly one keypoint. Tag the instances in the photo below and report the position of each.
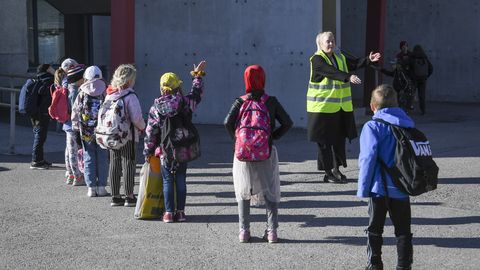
(374, 251)
(404, 252)
(336, 172)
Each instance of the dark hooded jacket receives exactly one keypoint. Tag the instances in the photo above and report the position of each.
(45, 97)
(254, 78)
(417, 54)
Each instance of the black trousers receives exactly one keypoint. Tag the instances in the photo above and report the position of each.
(400, 214)
(40, 131)
(331, 156)
(399, 211)
(421, 87)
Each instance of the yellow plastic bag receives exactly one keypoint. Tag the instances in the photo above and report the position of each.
(150, 203)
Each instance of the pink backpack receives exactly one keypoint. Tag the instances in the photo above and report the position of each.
(58, 110)
(252, 132)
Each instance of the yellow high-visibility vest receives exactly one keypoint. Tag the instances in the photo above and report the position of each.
(329, 96)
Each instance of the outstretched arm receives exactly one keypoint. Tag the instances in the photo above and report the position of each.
(195, 95)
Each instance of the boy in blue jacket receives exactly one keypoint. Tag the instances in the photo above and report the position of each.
(377, 142)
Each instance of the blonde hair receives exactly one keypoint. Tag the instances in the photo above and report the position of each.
(320, 37)
(58, 76)
(124, 74)
(384, 96)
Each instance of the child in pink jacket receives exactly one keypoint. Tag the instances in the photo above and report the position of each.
(123, 160)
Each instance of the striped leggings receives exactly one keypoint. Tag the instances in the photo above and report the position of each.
(122, 161)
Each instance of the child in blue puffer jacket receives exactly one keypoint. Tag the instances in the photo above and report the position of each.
(377, 142)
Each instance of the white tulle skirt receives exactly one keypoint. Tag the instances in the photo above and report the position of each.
(256, 181)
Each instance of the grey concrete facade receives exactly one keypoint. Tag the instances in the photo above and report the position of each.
(13, 30)
(230, 35)
(448, 32)
(279, 35)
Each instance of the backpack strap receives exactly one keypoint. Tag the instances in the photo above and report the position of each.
(383, 167)
(132, 127)
(264, 98)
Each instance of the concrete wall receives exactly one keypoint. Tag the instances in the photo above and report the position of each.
(13, 45)
(447, 30)
(101, 43)
(171, 35)
(354, 20)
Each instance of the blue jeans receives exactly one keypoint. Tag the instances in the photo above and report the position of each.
(95, 162)
(177, 179)
(40, 130)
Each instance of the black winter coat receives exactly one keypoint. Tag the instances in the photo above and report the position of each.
(45, 98)
(275, 110)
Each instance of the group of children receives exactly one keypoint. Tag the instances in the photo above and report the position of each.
(252, 117)
(88, 96)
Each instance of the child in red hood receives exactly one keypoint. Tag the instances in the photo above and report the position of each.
(258, 182)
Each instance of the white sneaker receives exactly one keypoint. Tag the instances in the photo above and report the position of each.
(101, 191)
(91, 192)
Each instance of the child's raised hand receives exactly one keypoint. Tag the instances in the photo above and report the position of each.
(200, 67)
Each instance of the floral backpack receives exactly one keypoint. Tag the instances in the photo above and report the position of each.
(89, 112)
(114, 129)
(180, 140)
(252, 133)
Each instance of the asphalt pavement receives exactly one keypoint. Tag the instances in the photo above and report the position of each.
(46, 224)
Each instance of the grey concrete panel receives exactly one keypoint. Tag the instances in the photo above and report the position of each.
(230, 35)
(447, 30)
(13, 30)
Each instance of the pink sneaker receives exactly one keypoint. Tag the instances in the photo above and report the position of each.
(270, 236)
(244, 236)
(168, 217)
(180, 216)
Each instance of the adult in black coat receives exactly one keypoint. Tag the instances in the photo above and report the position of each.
(329, 130)
(421, 69)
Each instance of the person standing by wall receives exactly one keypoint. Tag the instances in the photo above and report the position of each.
(403, 56)
(167, 111)
(377, 142)
(84, 120)
(421, 69)
(74, 80)
(41, 119)
(123, 161)
(257, 181)
(329, 104)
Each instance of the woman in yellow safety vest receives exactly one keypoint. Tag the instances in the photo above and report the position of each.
(329, 104)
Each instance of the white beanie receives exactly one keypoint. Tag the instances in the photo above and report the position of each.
(92, 72)
(68, 63)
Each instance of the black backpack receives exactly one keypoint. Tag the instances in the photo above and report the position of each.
(32, 97)
(180, 140)
(420, 68)
(414, 171)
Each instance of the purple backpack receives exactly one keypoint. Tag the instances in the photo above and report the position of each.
(253, 129)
